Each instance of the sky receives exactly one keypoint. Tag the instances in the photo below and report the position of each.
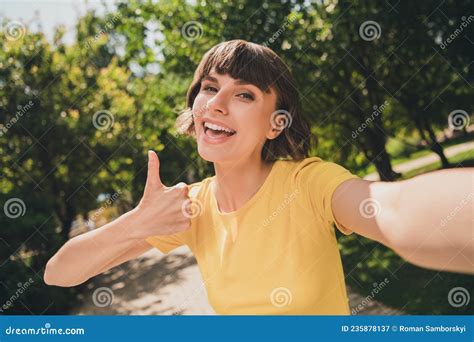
(44, 15)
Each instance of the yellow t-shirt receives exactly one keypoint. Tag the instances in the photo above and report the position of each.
(278, 253)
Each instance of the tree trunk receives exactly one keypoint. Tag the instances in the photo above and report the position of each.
(374, 146)
(383, 165)
(376, 153)
(66, 227)
(67, 217)
(436, 147)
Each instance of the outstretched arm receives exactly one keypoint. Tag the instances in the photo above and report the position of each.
(428, 220)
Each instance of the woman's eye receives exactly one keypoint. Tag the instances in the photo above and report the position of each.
(246, 96)
(209, 88)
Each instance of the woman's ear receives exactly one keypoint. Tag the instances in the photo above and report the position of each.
(273, 133)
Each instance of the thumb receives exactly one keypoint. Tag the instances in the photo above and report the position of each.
(153, 180)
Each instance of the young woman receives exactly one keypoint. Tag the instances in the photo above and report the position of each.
(261, 228)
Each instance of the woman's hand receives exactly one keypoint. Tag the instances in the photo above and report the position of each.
(159, 213)
(162, 210)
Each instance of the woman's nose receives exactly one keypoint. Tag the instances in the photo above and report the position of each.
(217, 104)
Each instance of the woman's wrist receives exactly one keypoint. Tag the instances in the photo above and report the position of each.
(130, 224)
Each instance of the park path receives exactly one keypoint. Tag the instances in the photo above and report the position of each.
(154, 284)
(426, 160)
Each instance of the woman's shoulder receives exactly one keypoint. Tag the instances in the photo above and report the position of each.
(311, 167)
(295, 166)
(201, 188)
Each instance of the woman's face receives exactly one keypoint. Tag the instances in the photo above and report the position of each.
(232, 119)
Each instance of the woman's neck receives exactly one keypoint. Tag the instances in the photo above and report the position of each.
(236, 183)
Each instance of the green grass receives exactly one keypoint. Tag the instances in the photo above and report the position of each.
(463, 159)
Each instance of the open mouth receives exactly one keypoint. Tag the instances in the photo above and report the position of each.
(216, 131)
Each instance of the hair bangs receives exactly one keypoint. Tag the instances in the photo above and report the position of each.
(240, 62)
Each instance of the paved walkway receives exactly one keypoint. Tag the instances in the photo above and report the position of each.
(154, 284)
(426, 160)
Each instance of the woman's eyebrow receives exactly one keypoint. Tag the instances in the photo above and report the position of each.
(242, 82)
(210, 79)
(238, 82)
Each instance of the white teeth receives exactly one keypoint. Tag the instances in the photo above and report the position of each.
(217, 127)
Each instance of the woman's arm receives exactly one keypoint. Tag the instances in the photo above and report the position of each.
(428, 220)
(159, 213)
(95, 252)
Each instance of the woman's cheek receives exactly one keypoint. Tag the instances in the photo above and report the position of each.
(256, 123)
(199, 106)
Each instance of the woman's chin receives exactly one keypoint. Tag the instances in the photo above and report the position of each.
(213, 154)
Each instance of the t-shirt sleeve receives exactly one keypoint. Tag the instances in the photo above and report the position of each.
(166, 243)
(320, 179)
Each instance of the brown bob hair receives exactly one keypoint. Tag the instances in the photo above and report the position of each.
(260, 66)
